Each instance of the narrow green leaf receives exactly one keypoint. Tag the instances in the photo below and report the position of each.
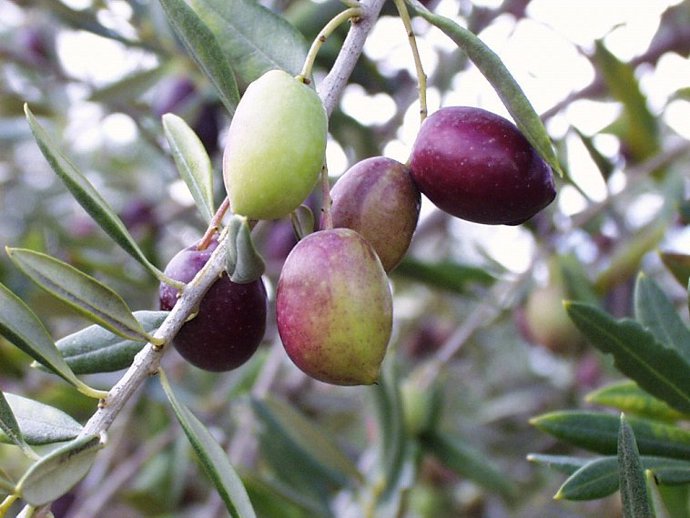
(447, 275)
(562, 463)
(253, 38)
(94, 349)
(272, 500)
(87, 195)
(602, 162)
(467, 462)
(82, 292)
(394, 437)
(308, 439)
(205, 49)
(641, 131)
(510, 93)
(596, 479)
(40, 423)
(598, 432)
(192, 162)
(633, 486)
(661, 371)
(628, 397)
(674, 500)
(58, 472)
(129, 87)
(212, 457)
(23, 328)
(9, 425)
(656, 501)
(656, 312)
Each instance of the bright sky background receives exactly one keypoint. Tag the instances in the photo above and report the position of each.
(544, 53)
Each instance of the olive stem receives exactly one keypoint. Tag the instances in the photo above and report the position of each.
(326, 219)
(214, 225)
(421, 75)
(6, 504)
(328, 29)
(147, 361)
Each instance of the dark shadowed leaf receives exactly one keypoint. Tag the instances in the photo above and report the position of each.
(305, 436)
(87, 195)
(656, 312)
(661, 371)
(204, 49)
(678, 264)
(596, 479)
(628, 397)
(491, 66)
(40, 423)
(88, 296)
(447, 275)
(467, 462)
(23, 328)
(253, 38)
(56, 473)
(212, 457)
(591, 479)
(94, 349)
(602, 162)
(130, 87)
(632, 482)
(598, 432)
(192, 162)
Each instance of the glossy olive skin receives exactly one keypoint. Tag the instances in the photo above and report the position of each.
(476, 165)
(334, 308)
(275, 146)
(231, 320)
(378, 199)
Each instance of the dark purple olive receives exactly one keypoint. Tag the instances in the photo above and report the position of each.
(231, 319)
(476, 165)
(377, 198)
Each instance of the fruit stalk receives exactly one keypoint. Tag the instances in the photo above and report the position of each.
(147, 361)
(421, 76)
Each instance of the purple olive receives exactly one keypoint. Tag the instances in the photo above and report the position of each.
(231, 319)
(477, 166)
(334, 308)
(377, 198)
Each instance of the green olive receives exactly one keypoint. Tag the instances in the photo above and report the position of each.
(275, 146)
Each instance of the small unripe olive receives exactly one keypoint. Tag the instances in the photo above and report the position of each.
(334, 308)
(275, 146)
(377, 198)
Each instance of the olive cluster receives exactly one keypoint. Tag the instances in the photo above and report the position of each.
(333, 301)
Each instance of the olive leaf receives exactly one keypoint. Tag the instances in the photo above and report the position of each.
(94, 349)
(88, 296)
(87, 195)
(192, 162)
(213, 459)
(9, 425)
(59, 471)
(500, 78)
(633, 486)
(250, 265)
(204, 47)
(40, 423)
(253, 38)
(22, 327)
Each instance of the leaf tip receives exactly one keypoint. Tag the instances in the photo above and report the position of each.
(559, 495)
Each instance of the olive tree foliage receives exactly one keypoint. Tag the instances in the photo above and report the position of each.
(502, 385)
